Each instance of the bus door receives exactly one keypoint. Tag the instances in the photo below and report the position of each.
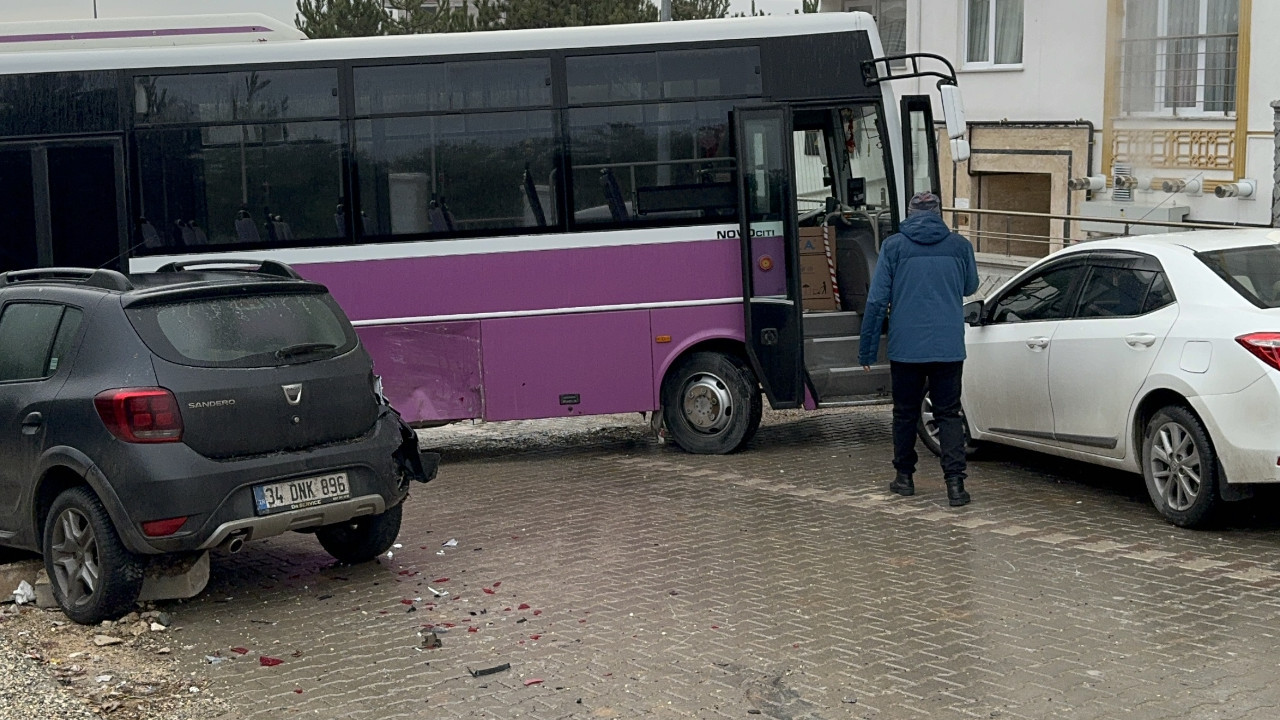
(919, 146)
(61, 204)
(770, 251)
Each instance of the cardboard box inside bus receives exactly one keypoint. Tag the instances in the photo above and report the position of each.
(816, 293)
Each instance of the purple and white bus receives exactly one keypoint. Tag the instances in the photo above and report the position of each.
(521, 224)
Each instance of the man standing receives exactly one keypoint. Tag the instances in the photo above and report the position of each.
(923, 275)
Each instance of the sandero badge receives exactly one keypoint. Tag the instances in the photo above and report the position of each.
(293, 393)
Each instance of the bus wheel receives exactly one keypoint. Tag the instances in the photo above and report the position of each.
(711, 403)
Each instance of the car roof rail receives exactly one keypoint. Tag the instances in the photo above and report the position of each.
(265, 267)
(89, 277)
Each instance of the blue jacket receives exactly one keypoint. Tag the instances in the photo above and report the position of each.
(924, 273)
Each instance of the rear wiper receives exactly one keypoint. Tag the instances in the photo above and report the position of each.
(303, 349)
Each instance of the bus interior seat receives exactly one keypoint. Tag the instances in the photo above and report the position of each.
(183, 234)
(246, 231)
(531, 200)
(198, 236)
(150, 238)
(613, 194)
(435, 215)
(283, 230)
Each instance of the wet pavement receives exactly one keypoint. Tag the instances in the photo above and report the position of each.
(620, 578)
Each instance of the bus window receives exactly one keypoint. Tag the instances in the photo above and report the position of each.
(490, 84)
(17, 212)
(59, 103)
(652, 163)
(238, 184)
(237, 96)
(450, 174)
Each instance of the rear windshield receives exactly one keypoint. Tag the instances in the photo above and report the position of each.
(1254, 272)
(253, 331)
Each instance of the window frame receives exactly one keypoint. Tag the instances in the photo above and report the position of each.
(1159, 88)
(1080, 264)
(64, 308)
(990, 64)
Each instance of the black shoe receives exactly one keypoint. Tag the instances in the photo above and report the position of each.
(903, 485)
(956, 494)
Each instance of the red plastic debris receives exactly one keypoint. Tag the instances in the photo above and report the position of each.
(582, 620)
(440, 580)
(795, 645)
(240, 650)
(448, 625)
(506, 609)
(473, 628)
(535, 637)
(533, 681)
(715, 627)
(406, 601)
(297, 691)
(537, 612)
(265, 661)
(488, 591)
(523, 606)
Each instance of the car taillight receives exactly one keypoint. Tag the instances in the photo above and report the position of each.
(140, 415)
(1266, 345)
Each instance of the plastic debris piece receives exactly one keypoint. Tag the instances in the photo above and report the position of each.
(489, 671)
(240, 650)
(406, 601)
(498, 584)
(25, 594)
(537, 613)
(533, 681)
(535, 637)
(488, 591)
(438, 593)
(297, 691)
(523, 606)
(430, 640)
(213, 659)
(440, 580)
(452, 542)
(266, 661)
(473, 628)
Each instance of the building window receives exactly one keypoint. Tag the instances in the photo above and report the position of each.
(993, 36)
(1180, 56)
(891, 18)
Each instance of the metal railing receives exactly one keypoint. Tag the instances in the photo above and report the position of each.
(1003, 241)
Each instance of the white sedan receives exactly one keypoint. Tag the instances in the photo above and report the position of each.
(1159, 355)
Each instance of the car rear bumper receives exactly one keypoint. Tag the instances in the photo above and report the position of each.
(167, 481)
(1245, 429)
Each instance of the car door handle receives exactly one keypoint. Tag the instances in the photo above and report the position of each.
(1038, 343)
(1140, 339)
(31, 423)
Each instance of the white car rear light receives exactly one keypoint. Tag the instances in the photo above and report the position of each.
(1265, 345)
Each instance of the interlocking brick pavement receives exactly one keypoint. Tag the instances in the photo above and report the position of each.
(636, 580)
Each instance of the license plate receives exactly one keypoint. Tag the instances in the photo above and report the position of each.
(303, 493)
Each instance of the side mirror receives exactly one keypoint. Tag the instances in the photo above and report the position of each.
(953, 110)
(973, 313)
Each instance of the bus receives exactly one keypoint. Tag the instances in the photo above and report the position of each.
(674, 218)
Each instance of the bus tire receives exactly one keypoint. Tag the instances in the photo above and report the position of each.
(711, 403)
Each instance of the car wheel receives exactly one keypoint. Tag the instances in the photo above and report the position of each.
(363, 538)
(711, 404)
(1180, 467)
(94, 577)
(927, 429)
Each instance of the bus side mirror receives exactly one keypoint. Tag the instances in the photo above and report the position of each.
(953, 113)
(973, 313)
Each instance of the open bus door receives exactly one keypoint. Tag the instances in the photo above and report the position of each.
(919, 146)
(770, 251)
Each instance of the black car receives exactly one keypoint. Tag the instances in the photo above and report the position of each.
(191, 408)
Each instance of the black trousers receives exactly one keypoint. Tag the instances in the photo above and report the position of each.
(943, 382)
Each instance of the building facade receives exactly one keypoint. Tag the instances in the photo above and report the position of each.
(1160, 93)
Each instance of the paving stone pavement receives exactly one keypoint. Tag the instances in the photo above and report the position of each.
(630, 579)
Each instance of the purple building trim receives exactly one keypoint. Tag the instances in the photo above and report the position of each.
(137, 33)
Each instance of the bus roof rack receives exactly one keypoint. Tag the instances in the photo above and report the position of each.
(101, 278)
(266, 267)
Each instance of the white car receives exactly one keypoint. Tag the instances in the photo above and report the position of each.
(1159, 355)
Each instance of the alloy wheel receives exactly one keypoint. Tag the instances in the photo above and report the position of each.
(75, 556)
(1175, 466)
